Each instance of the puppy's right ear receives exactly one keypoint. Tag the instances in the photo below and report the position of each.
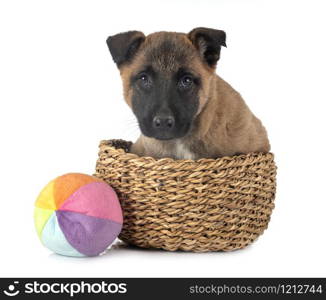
(123, 46)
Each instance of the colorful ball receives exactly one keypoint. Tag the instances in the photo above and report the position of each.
(77, 215)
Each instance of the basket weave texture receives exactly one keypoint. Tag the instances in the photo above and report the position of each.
(203, 205)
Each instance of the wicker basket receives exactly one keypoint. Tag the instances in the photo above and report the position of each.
(202, 205)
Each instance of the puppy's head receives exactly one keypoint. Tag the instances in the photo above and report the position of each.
(166, 76)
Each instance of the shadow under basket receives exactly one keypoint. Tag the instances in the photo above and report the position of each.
(191, 205)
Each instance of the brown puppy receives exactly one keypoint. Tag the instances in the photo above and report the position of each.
(184, 110)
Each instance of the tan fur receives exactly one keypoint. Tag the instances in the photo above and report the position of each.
(224, 124)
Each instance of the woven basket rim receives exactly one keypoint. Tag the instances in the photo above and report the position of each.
(252, 156)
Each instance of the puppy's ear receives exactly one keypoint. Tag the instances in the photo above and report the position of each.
(208, 42)
(123, 46)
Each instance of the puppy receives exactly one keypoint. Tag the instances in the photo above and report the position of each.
(184, 110)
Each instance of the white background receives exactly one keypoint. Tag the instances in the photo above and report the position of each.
(60, 94)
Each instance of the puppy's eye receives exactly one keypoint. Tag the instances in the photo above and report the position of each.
(186, 81)
(143, 77)
(144, 80)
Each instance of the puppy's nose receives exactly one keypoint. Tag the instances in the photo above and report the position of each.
(163, 122)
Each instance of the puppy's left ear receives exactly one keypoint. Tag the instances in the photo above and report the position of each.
(208, 42)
